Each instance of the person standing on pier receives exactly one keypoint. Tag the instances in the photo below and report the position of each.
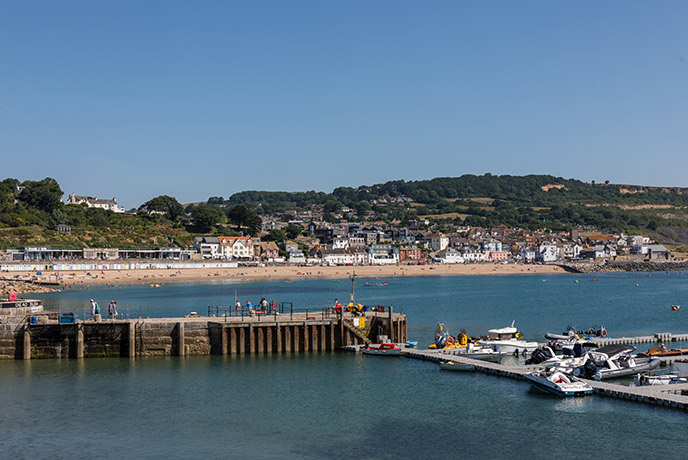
(238, 305)
(264, 305)
(93, 308)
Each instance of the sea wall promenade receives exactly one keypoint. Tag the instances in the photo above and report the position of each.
(46, 336)
(614, 266)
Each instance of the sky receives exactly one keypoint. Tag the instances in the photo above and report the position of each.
(195, 99)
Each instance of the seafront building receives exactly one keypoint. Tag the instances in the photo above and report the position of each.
(377, 244)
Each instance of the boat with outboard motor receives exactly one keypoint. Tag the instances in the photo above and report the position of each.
(613, 361)
(558, 383)
(680, 375)
(455, 366)
(662, 350)
(481, 353)
(507, 340)
(384, 349)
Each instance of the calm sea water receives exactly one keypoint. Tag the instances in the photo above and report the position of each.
(343, 406)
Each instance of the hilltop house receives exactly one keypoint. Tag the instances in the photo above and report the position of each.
(95, 202)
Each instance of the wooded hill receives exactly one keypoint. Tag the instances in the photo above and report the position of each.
(533, 201)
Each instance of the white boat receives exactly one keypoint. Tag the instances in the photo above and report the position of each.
(613, 361)
(680, 375)
(558, 383)
(507, 340)
(454, 366)
(481, 353)
(384, 349)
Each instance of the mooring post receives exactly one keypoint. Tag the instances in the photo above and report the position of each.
(391, 324)
(131, 352)
(27, 344)
(180, 339)
(79, 340)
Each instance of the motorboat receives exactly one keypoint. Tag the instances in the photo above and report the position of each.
(508, 340)
(663, 351)
(456, 366)
(411, 343)
(384, 349)
(680, 375)
(613, 361)
(558, 383)
(481, 353)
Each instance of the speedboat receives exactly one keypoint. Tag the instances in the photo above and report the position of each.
(616, 361)
(558, 383)
(384, 349)
(680, 375)
(508, 340)
(481, 353)
(455, 366)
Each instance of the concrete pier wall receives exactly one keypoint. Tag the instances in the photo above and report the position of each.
(187, 336)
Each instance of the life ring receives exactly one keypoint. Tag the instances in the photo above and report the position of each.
(591, 331)
(603, 332)
(450, 340)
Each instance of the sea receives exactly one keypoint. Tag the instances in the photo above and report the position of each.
(342, 405)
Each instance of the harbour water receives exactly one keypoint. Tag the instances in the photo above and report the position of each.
(345, 406)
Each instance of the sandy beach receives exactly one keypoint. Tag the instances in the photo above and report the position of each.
(159, 276)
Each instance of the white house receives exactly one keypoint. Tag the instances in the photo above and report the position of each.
(341, 256)
(297, 257)
(473, 255)
(547, 252)
(438, 242)
(207, 246)
(449, 256)
(236, 247)
(383, 254)
(95, 202)
(570, 251)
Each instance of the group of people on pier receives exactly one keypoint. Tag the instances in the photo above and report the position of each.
(95, 310)
(265, 307)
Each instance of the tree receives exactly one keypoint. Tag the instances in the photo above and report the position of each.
(206, 217)
(45, 195)
(254, 225)
(243, 216)
(292, 231)
(170, 206)
(277, 235)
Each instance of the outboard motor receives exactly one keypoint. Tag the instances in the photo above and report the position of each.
(578, 350)
(540, 355)
(590, 369)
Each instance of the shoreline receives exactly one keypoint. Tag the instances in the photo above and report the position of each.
(364, 272)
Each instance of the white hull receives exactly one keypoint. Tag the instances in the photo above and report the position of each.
(492, 356)
(510, 346)
(450, 366)
(381, 352)
(561, 386)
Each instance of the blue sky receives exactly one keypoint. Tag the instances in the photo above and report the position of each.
(207, 98)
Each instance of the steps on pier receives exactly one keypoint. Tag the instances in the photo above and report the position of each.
(356, 331)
